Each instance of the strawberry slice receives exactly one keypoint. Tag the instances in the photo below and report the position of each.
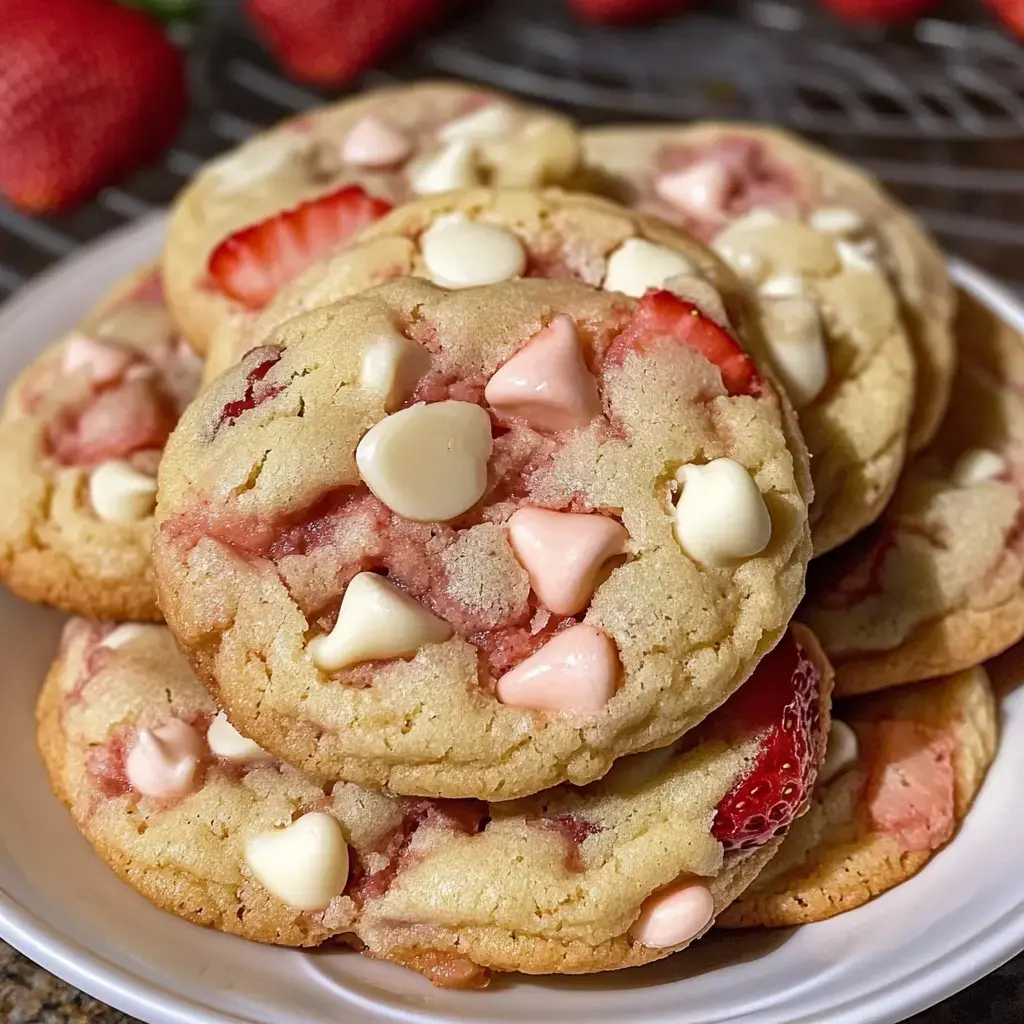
(780, 703)
(257, 363)
(252, 264)
(662, 314)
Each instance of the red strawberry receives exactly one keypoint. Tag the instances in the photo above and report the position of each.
(89, 90)
(661, 313)
(328, 42)
(879, 10)
(258, 363)
(252, 264)
(625, 10)
(780, 703)
(1011, 12)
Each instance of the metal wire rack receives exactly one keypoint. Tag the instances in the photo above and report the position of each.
(936, 110)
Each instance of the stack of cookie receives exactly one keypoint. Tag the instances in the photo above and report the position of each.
(493, 637)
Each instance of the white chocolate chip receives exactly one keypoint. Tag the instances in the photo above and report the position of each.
(721, 515)
(782, 286)
(121, 494)
(254, 160)
(857, 256)
(977, 466)
(792, 328)
(227, 742)
(836, 220)
(428, 463)
(704, 295)
(488, 122)
(841, 752)
(392, 366)
(125, 634)
(376, 620)
(637, 265)
(758, 218)
(463, 253)
(735, 246)
(745, 262)
(304, 865)
(453, 168)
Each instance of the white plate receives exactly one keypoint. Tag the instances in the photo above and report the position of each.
(957, 920)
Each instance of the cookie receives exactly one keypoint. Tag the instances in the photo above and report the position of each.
(902, 770)
(480, 236)
(482, 541)
(938, 584)
(831, 318)
(204, 824)
(706, 176)
(81, 434)
(256, 217)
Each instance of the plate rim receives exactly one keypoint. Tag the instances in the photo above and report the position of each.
(152, 1002)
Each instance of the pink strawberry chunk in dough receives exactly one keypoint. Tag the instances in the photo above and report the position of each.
(910, 795)
(118, 421)
(707, 185)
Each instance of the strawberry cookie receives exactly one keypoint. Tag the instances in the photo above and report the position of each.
(706, 177)
(478, 542)
(938, 584)
(205, 824)
(901, 772)
(482, 236)
(81, 435)
(255, 218)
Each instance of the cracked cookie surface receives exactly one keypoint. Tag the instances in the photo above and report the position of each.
(558, 882)
(81, 434)
(266, 515)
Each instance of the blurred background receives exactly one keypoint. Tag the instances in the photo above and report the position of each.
(928, 96)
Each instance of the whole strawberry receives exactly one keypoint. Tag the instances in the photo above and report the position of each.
(89, 90)
(1011, 13)
(328, 42)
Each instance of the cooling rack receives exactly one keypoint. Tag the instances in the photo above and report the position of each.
(936, 109)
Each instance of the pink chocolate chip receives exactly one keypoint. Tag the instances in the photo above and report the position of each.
(700, 190)
(546, 382)
(373, 142)
(577, 670)
(164, 762)
(563, 552)
(674, 915)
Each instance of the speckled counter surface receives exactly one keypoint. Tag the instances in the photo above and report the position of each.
(30, 995)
